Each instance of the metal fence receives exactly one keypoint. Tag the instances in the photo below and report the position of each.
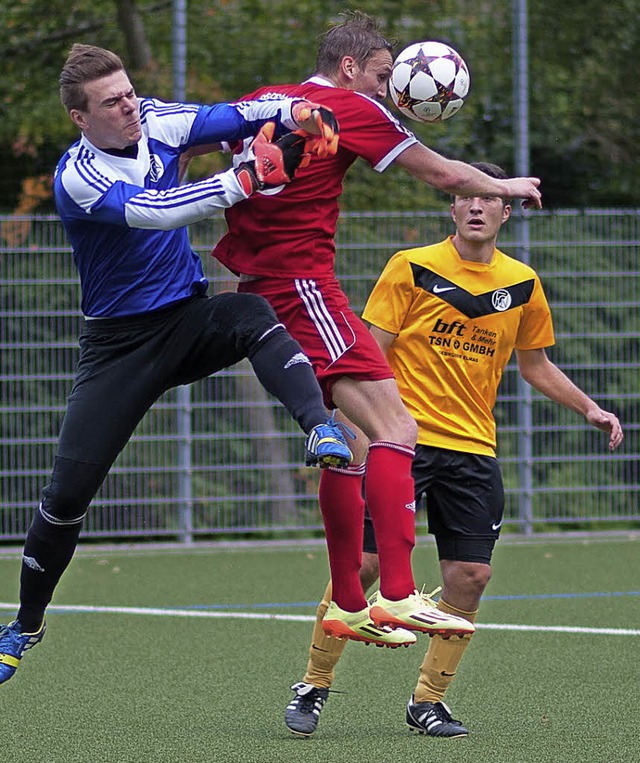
(221, 457)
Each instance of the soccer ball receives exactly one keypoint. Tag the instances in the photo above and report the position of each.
(429, 81)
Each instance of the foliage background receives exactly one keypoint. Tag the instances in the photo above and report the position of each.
(585, 116)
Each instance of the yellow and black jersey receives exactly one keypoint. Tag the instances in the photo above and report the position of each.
(457, 323)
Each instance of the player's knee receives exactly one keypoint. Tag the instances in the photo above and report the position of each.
(473, 577)
(395, 424)
(252, 321)
(72, 487)
(63, 506)
(404, 429)
(255, 310)
(411, 430)
(482, 577)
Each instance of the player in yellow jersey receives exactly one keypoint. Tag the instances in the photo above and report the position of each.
(448, 317)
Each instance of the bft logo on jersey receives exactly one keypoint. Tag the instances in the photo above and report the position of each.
(501, 300)
(156, 168)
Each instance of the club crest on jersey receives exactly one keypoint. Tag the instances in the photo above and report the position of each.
(156, 168)
(501, 300)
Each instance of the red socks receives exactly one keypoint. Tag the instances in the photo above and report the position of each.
(342, 507)
(390, 499)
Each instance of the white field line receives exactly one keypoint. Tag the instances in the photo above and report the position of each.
(208, 614)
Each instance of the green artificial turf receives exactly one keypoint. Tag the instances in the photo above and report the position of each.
(124, 687)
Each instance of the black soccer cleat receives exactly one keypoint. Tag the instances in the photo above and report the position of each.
(303, 712)
(433, 719)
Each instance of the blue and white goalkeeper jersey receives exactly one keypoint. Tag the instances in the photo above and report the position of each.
(126, 217)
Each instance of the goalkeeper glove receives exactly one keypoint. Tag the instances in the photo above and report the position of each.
(320, 123)
(273, 163)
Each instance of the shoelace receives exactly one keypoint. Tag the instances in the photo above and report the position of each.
(5, 632)
(442, 713)
(308, 699)
(346, 430)
(428, 597)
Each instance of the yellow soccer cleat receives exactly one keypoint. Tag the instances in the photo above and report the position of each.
(418, 612)
(357, 626)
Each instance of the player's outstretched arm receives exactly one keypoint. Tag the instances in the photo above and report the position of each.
(536, 369)
(317, 126)
(460, 179)
(269, 163)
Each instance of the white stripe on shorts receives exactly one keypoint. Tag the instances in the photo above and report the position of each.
(321, 317)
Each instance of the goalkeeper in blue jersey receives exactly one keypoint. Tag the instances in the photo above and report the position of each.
(150, 325)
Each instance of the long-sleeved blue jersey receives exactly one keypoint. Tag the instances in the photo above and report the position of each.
(126, 217)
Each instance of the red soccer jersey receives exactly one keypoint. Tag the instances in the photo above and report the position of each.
(290, 231)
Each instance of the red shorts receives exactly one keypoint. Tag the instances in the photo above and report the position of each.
(317, 314)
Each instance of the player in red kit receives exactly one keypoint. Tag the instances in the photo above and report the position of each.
(281, 244)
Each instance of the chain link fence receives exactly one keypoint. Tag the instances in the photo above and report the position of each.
(222, 459)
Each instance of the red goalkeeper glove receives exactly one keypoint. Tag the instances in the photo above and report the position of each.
(320, 123)
(274, 163)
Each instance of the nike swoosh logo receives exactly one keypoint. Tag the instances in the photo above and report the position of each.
(495, 526)
(439, 289)
(318, 648)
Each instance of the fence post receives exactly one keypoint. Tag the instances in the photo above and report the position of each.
(525, 460)
(185, 471)
(520, 32)
(525, 414)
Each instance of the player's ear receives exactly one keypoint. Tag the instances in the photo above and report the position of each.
(78, 118)
(506, 212)
(348, 67)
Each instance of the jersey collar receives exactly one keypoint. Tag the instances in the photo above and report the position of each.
(318, 80)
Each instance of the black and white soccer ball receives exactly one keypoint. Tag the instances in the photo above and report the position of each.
(429, 81)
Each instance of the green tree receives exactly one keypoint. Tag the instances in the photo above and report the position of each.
(585, 118)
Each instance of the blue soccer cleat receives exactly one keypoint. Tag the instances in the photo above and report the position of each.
(326, 446)
(13, 644)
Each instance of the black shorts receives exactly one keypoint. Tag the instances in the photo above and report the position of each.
(126, 364)
(464, 500)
